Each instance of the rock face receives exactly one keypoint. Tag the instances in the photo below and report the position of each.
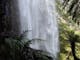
(9, 17)
(14, 16)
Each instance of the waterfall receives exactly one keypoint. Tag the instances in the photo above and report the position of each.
(39, 18)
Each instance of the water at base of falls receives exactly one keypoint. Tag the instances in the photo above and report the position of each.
(39, 18)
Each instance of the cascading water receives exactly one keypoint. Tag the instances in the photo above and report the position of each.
(39, 18)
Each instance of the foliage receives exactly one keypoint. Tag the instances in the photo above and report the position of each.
(72, 7)
(14, 48)
(69, 31)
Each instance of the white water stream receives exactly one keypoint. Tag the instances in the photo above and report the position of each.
(39, 18)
